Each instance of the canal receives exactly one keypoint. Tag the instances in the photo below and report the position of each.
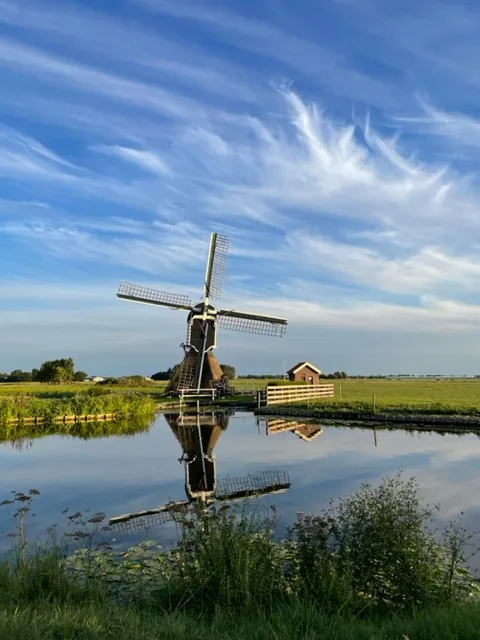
(119, 475)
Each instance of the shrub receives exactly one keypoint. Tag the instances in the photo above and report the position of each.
(379, 542)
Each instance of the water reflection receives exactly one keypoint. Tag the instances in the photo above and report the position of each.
(127, 474)
(198, 435)
(307, 431)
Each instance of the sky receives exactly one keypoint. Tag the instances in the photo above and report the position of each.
(336, 143)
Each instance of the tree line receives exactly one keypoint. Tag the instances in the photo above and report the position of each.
(278, 376)
(51, 371)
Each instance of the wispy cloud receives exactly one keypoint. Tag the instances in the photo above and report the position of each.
(125, 138)
(148, 160)
(83, 78)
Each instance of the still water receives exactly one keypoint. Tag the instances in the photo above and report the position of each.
(119, 475)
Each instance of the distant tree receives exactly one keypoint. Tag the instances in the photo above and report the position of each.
(34, 375)
(19, 376)
(80, 376)
(228, 371)
(165, 375)
(57, 371)
(125, 381)
(343, 374)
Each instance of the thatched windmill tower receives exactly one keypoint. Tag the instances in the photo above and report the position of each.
(198, 434)
(199, 368)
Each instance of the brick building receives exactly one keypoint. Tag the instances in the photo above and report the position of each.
(304, 372)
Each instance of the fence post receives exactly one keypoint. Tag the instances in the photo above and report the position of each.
(374, 403)
(340, 391)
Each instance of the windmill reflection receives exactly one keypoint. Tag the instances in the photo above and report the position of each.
(307, 431)
(198, 435)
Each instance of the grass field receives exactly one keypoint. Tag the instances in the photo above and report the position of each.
(407, 396)
(63, 390)
(423, 396)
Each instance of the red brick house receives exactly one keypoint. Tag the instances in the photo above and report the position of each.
(304, 372)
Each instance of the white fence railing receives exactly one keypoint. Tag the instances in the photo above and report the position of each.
(294, 393)
(197, 393)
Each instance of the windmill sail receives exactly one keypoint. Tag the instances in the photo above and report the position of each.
(251, 323)
(271, 482)
(137, 293)
(217, 256)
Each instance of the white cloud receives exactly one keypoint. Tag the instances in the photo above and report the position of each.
(147, 160)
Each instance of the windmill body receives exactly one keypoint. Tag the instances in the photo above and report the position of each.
(199, 368)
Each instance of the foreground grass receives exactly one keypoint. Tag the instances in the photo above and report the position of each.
(47, 619)
(368, 567)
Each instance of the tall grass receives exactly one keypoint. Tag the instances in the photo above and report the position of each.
(370, 566)
(92, 402)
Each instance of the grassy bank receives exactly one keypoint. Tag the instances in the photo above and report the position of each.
(369, 567)
(44, 618)
(92, 402)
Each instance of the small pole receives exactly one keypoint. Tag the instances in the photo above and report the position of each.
(374, 403)
(340, 391)
(375, 436)
(198, 406)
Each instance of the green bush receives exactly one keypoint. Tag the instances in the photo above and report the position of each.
(373, 551)
(377, 547)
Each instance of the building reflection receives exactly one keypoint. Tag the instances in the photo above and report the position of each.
(307, 431)
(198, 435)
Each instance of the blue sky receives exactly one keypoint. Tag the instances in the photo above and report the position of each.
(335, 142)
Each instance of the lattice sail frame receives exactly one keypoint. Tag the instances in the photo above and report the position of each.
(259, 484)
(216, 265)
(137, 293)
(250, 325)
(263, 481)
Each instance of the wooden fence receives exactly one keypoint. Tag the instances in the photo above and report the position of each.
(102, 417)
(295, 393)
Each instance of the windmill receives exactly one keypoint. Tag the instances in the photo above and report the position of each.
(199, 368)
(198, 435)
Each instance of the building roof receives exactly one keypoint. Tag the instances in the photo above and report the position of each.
(301, 365)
